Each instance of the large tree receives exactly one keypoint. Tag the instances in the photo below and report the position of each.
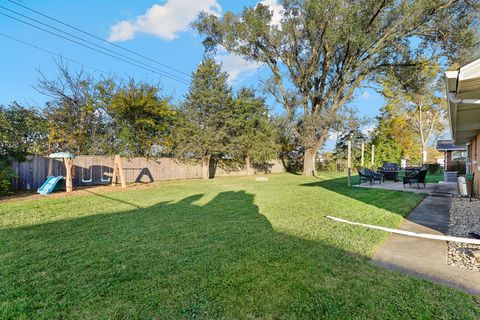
(252, 136)
(105, 116)
(321, 51)
(74, 115)
(140, 117)
(201, 130)
(416, 92)
(23, 132)
(388, 136)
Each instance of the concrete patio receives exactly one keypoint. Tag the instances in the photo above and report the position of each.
(399, 186)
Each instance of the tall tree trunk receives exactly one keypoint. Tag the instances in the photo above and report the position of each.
(309, 156)
(247, 163)
(206, 167)
(424, 154)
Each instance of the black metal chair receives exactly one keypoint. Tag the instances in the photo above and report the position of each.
(376, 176)
(369, 175)
(417, 177)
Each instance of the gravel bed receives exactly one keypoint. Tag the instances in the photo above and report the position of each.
(464, 218)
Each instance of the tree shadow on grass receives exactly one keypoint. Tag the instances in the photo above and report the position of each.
(398, 202)
(184, 260)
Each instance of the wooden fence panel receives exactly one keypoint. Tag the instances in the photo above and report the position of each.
(97, 170)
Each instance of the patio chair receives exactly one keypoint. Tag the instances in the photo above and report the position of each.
(367, 175)
(417, 177)
(363, 176)
(376, 176)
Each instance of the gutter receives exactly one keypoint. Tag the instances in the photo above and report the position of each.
(453, 98)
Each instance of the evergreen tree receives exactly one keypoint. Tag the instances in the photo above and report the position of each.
(252, 135)
(201, 131)
(387, 144)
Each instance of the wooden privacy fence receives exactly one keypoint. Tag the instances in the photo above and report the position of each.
(97, 170)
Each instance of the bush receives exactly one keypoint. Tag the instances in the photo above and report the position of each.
(6, 176)
(434, 168)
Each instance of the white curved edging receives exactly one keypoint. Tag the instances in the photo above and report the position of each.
(409, 233)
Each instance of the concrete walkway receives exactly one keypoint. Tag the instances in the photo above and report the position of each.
(425, 258)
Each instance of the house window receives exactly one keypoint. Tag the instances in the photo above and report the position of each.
(459, 155)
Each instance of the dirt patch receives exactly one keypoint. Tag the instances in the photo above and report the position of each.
(28, 195)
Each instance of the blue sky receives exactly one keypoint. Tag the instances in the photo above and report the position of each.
(157, 29)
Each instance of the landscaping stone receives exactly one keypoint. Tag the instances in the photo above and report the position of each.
(464, 219)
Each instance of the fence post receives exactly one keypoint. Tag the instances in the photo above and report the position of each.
(362, 164)
(349, 169)
(373, 156)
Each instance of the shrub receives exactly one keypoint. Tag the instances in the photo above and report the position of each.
(434, 168)
(6, 176)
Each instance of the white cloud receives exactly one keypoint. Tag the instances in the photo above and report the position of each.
(165, 21)
(236, 66)
(276, 9)
(365, 95)
(367, 130)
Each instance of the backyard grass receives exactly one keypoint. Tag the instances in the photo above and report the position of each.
(225, 248)
(434, 177)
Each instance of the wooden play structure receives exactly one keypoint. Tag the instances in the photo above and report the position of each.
(53, 183)
(118, 172)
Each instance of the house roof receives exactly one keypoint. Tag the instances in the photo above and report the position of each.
(447, 145)
(463, 98)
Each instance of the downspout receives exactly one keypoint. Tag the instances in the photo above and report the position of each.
(467, 166)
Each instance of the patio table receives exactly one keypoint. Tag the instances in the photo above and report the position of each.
(390, 174)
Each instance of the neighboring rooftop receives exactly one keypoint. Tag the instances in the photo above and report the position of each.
(448, 145)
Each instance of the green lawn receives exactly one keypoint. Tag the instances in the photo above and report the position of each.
(434, 177)
(225, 248)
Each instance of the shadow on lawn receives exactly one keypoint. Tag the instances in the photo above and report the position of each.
(403, 202)
(182, 260)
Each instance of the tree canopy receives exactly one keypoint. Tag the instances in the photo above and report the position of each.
(253, 135)
(417, 95)
(321, 51)
(105, 116)
(201, 130)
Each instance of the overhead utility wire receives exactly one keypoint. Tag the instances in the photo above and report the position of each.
(51, 52)
(105, 53)
(94, 44)
(98, 38)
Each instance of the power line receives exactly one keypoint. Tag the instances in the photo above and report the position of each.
(98, 38)
(94, 49)
(164, 73)
(51, 53)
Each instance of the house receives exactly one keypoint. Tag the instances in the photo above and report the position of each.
(463, 98)
(453, 159)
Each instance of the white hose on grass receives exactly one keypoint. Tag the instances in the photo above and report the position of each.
(409, 233)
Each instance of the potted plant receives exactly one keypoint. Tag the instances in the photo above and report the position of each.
(469, 182)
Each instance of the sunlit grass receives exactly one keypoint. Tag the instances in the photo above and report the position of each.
(224, 248)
